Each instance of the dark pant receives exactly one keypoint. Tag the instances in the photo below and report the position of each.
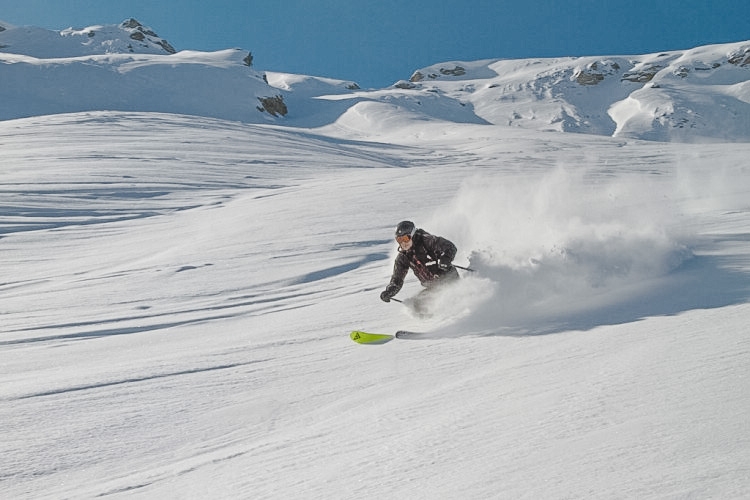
(421, 302)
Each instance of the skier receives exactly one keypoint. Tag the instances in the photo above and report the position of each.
(430, 257)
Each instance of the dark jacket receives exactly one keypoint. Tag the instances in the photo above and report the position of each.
(422, 258)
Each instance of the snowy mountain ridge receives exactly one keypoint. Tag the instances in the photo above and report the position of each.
(130, 36)
(678, 95)
(701, 94)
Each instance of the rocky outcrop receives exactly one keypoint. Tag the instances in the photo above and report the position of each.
(403, 84)
(683, 71)
(642, 75)
(140, 33)
(595, 72)
(455, 71)
(416, 77)
(740, 57)
(274, 105)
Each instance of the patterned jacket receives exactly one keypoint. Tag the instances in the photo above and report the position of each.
(422, 258)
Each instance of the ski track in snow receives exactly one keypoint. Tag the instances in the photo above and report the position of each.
(177, 294)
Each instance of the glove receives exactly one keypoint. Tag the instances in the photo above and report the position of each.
(385, 296)
(444, 263)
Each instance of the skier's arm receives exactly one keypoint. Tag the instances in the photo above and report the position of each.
(443, 250)
(400, 268)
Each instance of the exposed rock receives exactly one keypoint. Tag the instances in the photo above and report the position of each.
(403, 84)
(740, 57)
(353, 86)
(2, 28)
(643, 75)
(248, 60)
(418, 76)
(595, 72)
(274, 106)
(131, 23)
(166, 46)
(456, 71)
(588, 78)
(141, 34)
(682, 71)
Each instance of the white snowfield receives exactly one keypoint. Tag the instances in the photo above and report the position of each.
(177, 291)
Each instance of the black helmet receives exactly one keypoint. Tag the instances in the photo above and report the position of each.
(405, 227)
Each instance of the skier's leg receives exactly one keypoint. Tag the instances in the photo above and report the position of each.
(422, 302)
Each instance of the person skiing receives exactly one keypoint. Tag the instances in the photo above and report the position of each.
(429, 257)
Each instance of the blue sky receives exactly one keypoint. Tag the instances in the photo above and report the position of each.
(378, 42)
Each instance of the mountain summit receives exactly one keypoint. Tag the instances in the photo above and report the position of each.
(130, 36)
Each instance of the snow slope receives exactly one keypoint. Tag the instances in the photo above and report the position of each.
(670, 96)
(177, 290)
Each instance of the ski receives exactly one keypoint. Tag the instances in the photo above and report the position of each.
(408, 334)
(361, 337)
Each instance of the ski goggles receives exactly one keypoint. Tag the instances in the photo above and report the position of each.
(404, 238)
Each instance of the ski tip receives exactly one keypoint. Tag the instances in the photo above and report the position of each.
(361, 337)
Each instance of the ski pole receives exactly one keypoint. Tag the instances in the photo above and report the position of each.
(465, 268)
(454, 265)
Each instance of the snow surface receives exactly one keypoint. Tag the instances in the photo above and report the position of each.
(177, 294)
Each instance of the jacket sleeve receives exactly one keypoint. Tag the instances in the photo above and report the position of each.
(400, 268)
(440, 247)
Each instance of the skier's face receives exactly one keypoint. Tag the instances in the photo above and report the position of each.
(405, 242)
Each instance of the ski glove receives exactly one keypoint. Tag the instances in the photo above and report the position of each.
(444, 263)
(386, 296)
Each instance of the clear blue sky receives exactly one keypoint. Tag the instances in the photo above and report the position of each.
(378, 42)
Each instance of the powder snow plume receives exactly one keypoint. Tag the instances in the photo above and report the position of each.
(548, 249)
